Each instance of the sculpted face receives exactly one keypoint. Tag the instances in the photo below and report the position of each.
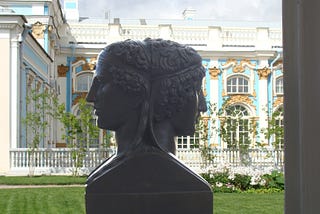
(154, 84)
(185, 120)
(112, 105)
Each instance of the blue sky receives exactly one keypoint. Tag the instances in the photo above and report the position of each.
(240, 10)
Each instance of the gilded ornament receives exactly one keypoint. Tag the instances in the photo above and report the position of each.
(87, 65)
(214, 72)
(79, 95)
(238, 67)
(278, 101)
(38, 30)
(279, 62)
(240, 99)
(62, 70)
(264, 73)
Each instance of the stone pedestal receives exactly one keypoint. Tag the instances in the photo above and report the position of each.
(147, 183)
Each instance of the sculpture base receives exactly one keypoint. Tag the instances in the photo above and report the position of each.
(147, 183)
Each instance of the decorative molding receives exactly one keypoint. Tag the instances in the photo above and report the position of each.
(62, 70)
(30, 80)
(204, 91)
(279, 62)
(214, 72)
(239, 67)
(240, 99)
(87, 65)
(223, 93)
(254, 93)
(79, 95)
(278, 101)
(263, 73)
(38, 85)
(38, 30)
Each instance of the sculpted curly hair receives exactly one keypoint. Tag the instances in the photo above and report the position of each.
(137, 65)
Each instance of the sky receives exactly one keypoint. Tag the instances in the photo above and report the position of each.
(240, 10)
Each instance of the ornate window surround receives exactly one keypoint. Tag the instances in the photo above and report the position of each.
(238, 69)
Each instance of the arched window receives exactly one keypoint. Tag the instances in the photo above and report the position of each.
(237, 85)
(236, 127)
(83, 82)
(279, 85)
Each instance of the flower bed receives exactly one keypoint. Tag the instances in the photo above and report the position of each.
(245, 179)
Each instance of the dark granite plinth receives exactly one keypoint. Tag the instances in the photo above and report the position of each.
(147, 183)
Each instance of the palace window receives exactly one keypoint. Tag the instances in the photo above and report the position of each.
(237, 85)
(83, 82)
(188, 142)
(279, 85)
(236, 126)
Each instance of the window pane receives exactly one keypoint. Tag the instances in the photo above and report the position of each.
(237, 85)
(279, 85)
(240, 81)
(83, 82)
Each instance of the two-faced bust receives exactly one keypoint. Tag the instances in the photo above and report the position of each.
(152, 84)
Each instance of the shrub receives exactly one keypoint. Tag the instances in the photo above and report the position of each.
(245, 180)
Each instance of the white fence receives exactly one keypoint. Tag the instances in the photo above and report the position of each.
(60, 161)
(232, 157)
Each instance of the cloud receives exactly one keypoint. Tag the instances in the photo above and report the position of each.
(262, 10)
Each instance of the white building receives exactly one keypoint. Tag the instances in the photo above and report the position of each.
(45, 47)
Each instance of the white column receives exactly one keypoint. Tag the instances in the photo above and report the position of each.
(302, 106)
(14, 93)
(5, 101)
(214, 71)
(263, 102)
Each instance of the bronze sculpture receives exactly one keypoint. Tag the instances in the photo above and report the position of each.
(148, 92)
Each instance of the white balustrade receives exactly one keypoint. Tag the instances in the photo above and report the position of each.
(223, 37)
(60, 159)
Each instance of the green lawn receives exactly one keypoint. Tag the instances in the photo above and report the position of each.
(71, 200)
(42, 200)
(41, 180)
(244, 203)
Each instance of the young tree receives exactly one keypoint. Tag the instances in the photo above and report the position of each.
(80, 132)
(206, 129)
(40, 107)
(275, 131)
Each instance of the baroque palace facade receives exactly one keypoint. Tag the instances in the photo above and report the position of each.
(46, 46)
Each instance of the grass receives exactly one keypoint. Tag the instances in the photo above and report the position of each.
(41, 180)
(62, 200)
(245, 203)
(65, 200)
(69, 200)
